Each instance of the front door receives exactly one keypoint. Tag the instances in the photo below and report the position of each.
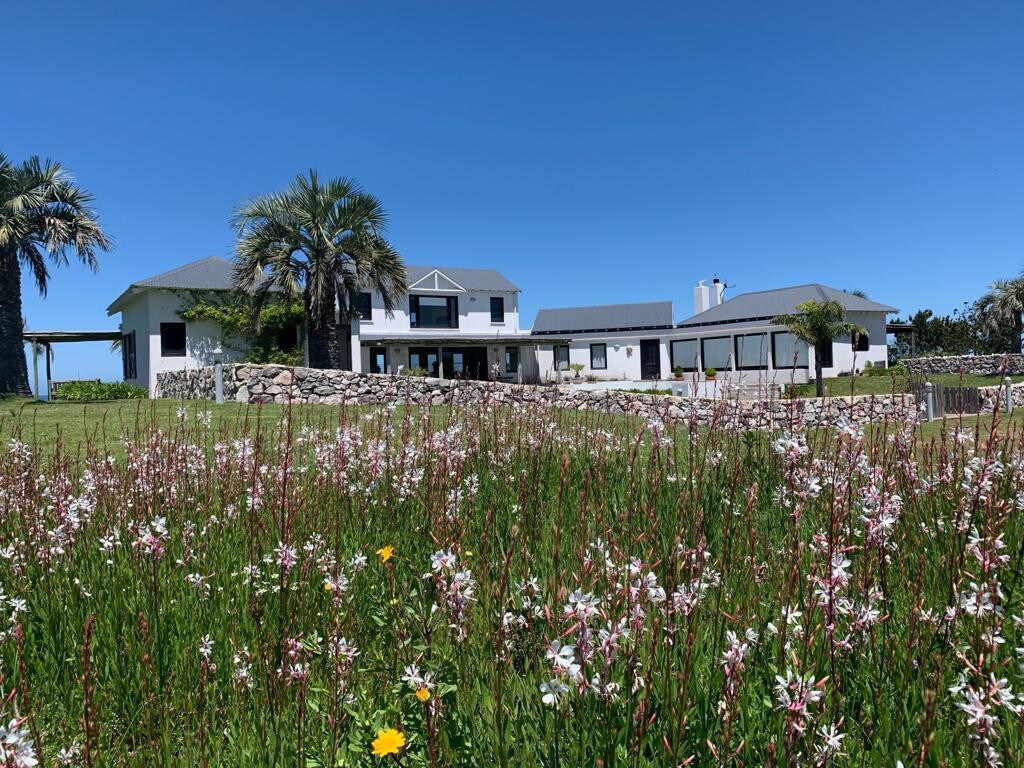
(650, 359)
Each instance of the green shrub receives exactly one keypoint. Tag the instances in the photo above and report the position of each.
(82, 391)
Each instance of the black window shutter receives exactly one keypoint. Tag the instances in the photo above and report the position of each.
(414, 311)
(453, 311)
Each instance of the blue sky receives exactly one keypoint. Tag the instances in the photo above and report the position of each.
(593, 152)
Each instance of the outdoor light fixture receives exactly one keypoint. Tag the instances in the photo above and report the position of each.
(218, 354)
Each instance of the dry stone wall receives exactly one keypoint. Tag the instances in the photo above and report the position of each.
(976, 365)
(278, 384)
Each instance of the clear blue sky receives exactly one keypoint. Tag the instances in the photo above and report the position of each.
(593, 152)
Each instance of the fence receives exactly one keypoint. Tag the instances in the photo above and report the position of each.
(948, 399)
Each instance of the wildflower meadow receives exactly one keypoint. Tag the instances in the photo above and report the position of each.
(504, 586)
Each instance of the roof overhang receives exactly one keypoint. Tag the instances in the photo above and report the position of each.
(54, 337)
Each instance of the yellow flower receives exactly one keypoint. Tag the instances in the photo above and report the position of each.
(386, 553)
(422, 694)
(468, 553)
(388, 742)
(328, 586)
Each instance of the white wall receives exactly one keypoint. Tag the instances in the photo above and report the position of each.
(474, 315)
(622, 355)
(134, 317)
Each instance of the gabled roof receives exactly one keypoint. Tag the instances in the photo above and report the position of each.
(609, 317)
(210, 274)
(761, 305)
(463, 277)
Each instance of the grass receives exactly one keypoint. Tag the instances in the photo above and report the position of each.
(844, 386)
(504, 587)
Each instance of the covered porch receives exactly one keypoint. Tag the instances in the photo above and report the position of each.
(507, 359)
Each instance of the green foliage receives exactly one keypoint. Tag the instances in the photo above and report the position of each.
(414, 371)
(710, 372)
(266, 330)
(83, 391)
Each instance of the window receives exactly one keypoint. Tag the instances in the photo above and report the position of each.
(172, 339)
(497, 309)
(715, 352)
(686, 354)
(424, 358)
(511, 359)
(861, 342)
(128, 355)
(364, 307)
(598, 357)
(788, 351)
(378, 360)
(561, 357)
(752, 351)
(434, 311)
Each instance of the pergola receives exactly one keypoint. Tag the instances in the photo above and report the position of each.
(47, 339)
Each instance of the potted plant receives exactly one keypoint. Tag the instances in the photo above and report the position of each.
(577, 367)
(678, 372)
(710, 374)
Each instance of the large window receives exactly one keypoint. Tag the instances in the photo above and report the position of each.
(861, 342)
(686, 354)
(598, 357)
(364, 307)
(752, 351)
(434, 311)
(826, 355)
(562, 357)
(788, 351)
(172, 339)
(511, 359)
(715, 352)
(497, 309)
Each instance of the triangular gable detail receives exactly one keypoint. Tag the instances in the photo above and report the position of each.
(435, 280)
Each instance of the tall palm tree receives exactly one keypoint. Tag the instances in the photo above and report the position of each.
(324, 242)
(1002, 307)
(44, 218)
(817, 323)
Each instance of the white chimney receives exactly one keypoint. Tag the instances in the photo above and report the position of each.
(700, 298)
(717, 292)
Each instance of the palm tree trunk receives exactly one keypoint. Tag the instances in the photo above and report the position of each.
(323, 338)
(13, 370)
(1018, 330)
(819, 383)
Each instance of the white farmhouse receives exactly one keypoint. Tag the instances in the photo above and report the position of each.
(454, 322)
(735, 337)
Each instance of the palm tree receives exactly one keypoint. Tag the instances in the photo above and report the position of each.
(44, 218)
(817, 323)
(324, 242)
(1001, 308)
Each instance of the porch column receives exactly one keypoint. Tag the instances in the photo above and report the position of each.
(440, 363)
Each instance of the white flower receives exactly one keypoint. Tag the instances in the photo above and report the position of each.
(553, 691)
(16, 749)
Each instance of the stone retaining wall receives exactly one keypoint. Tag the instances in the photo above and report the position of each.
(278, 384)
(978, 365)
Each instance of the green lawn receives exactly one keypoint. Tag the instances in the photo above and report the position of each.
(844, 386)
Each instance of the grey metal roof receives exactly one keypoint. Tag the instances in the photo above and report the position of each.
(469, 278)
(780, 301)
(609, 317)
(210, 274)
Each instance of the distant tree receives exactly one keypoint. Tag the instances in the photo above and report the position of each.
(323, 241)
(44, 218)
(817, 323)
(856, 292)
(1000, 312)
